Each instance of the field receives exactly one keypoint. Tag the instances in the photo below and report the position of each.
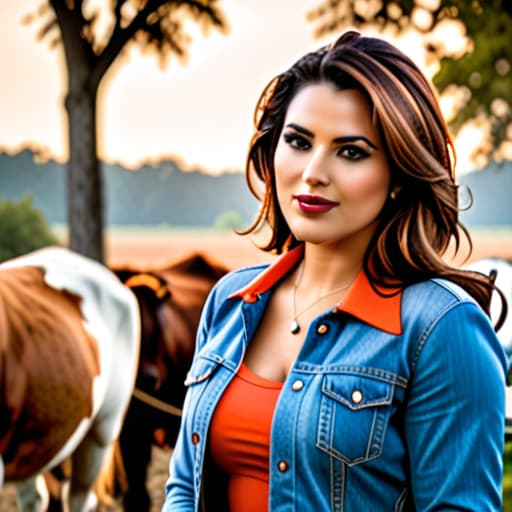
(156, 247)
(153, 248)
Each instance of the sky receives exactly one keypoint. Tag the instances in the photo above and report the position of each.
(200, 113)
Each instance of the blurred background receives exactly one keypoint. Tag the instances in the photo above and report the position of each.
(135, 124)
(124, 124)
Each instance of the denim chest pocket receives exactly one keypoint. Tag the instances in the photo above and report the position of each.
(202, 368)
(354, 414)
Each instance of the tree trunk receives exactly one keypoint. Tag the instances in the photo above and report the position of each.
(84, 177)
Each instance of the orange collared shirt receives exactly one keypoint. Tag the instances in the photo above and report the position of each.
(361, 300)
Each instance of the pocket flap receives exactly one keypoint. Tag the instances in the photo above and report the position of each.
(356, 391)
(202, 367)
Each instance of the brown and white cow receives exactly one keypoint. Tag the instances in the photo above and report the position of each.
(69, 347)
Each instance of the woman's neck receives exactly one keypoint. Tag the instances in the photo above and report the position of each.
(325, 268)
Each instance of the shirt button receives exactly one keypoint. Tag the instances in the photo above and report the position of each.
(322, 329)
(297, 385)
(282, 466)
(195, 438)
(357, 396)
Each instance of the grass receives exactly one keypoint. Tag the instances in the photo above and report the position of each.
(507, 478)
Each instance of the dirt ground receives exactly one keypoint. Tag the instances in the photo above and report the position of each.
(157, 476)
(156, 249)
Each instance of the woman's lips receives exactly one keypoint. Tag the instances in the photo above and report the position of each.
(314, 204)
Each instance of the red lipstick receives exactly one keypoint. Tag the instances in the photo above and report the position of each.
(311, 203)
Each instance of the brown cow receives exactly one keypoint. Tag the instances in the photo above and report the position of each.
(170, 302)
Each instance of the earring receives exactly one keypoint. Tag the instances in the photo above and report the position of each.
(394, 192)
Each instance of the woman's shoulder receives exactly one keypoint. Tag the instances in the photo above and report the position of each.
(426, 302)
(439, 290)
(442, 315)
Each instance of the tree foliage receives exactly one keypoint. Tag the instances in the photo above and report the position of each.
(228, 221)
(480, 77)
(92, 35)
(23, 228)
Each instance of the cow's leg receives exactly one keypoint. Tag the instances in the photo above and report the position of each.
(56, 481)
(31, 496)
(86, 463)
(135, 442)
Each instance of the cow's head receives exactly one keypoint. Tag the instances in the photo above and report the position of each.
(170, 302)
(153, 296)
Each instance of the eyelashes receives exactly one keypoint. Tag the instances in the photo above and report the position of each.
(353, 152)
(296, 141)
(349, 151)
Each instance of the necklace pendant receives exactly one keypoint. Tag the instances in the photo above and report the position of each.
(295, 327)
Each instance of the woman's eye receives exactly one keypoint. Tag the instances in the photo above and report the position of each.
(296, 141)
(353, 153)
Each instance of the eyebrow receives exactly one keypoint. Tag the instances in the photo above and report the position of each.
(337, 140)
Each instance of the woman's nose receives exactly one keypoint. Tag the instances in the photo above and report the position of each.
(317, 171)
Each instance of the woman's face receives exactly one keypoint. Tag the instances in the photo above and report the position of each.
(332, 175)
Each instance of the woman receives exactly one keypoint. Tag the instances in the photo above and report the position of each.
(359, 371)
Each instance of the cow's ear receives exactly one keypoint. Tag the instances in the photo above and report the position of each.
(157, 286)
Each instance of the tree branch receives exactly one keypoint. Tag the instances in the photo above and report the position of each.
(120, 37)
(71, 25)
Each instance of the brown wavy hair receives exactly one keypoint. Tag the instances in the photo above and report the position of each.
(416, 227)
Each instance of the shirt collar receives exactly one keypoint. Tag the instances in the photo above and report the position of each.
(361, 300)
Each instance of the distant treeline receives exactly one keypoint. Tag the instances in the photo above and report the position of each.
(152, 195)
(164, 194)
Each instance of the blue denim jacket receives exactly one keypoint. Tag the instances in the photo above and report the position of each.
(392, 403)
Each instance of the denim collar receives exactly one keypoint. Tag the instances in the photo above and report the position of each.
(362, 300)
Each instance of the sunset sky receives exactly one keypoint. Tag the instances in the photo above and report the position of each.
(201, 112)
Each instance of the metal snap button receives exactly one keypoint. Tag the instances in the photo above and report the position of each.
(282, 466)
(195, 438)
(322, 329)
(357, 396)
(297, 385)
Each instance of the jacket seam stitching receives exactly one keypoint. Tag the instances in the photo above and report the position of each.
(432, 325)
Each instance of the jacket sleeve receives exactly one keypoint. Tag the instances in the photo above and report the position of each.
(455, 414)
(185, 468)
(179, 489)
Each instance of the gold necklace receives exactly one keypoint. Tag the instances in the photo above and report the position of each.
(295, 326)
